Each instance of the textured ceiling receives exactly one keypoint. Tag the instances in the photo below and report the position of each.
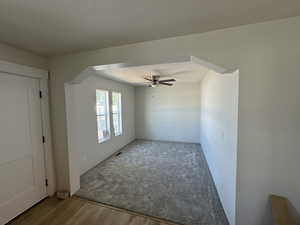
(184, 72)
(56, 27)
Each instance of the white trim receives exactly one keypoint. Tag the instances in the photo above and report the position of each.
(49, 162)
(22, 70)
(73, 155)
(42, 75)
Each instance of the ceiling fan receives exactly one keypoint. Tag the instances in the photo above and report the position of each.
(155, 81)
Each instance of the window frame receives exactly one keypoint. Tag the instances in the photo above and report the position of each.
(105, 115)
(120, 117)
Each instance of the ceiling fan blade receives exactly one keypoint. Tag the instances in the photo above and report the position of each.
(165, 84)
(168, 80)
(146, 78)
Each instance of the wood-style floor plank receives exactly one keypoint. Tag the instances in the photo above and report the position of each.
(37, 213)
(76, 211)
(88, 214)
(152, 220)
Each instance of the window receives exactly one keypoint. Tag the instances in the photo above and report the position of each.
(117, 113)
(102, 113)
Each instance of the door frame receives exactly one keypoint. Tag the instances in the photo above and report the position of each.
(43, 77)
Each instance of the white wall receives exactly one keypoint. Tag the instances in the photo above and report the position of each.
(83, 119)
(267, 56)
(219, 119)
(168, 113)
(19, 56)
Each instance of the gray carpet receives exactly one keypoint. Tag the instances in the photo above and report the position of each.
(162, 179)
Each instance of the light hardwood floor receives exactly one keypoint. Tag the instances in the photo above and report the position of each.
(76, 211)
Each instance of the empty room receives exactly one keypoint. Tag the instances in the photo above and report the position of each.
(146, 134)
(135, 112)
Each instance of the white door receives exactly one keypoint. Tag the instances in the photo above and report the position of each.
(22, 171)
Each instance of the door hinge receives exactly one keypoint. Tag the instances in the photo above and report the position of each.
(41, 95)
(46, 182)
(44, 139)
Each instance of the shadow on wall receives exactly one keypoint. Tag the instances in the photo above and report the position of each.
(218, 134)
